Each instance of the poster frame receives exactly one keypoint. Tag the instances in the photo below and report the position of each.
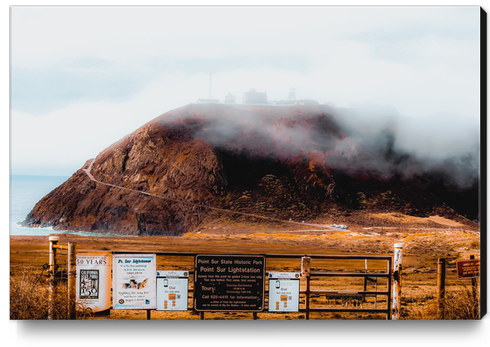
(104, 301)
(151, 281)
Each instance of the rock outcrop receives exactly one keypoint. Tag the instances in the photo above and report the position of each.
(199, 160)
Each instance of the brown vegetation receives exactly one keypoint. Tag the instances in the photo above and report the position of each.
(458, 303)
(29, 297)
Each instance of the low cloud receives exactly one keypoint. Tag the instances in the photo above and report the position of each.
(369, 139)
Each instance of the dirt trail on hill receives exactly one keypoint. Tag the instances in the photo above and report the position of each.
(89, 174)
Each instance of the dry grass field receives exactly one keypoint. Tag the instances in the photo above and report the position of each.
(424, 239)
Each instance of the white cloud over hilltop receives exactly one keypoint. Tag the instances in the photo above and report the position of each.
(83, 77)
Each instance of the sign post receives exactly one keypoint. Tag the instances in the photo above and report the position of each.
(134, 281)
(441, 286)
(229, 283)
(72, 272)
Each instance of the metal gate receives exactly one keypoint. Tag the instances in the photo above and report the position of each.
(329, 283)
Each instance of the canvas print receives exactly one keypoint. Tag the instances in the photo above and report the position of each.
(246, 163)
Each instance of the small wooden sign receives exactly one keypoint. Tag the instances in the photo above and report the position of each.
(468, 268)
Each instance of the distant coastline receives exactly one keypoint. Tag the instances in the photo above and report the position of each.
(25, 192)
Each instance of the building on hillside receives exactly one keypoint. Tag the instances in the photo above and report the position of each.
(207, 101)
(230, 99)
(254, 97)
(307, 102)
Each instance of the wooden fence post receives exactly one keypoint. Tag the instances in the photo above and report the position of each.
(72, 273)
(397, 280)
(441, 287)
(473, 293)
(305, 271)
(53, 241)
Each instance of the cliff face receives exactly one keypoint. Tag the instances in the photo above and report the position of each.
(275, 161)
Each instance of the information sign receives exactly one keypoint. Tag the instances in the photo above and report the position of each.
(94, 280)
(172, 290)
(229, 283)
(134, 281)
(284, 291)
(468, 268)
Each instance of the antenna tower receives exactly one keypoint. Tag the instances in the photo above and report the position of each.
(292, 95)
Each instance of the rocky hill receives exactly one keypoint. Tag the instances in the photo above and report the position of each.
(286, 162)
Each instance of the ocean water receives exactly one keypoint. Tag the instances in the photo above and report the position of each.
(25, 192)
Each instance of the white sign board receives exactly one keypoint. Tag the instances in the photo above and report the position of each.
(284, 291)
(172, 290)
(94, 280)
(134, 281)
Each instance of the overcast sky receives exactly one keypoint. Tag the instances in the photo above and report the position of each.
(84, 77)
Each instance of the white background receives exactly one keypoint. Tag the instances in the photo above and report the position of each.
(331, 333)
